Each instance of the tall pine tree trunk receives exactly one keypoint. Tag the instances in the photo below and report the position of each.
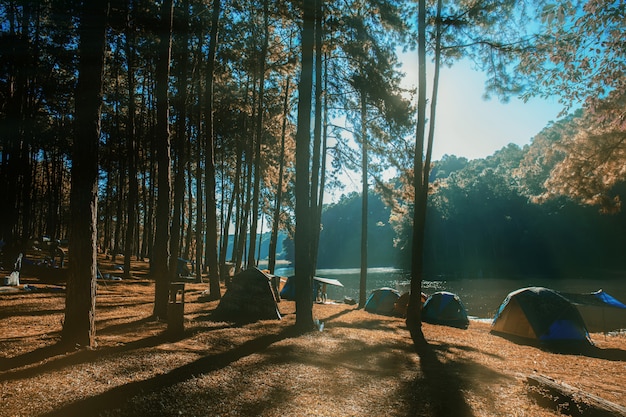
(317, 134)
(304, 267)
(259, 136)
(229, 212)
(414, 319)
(181, 154)
(211, 205)
(161, 254)
(271, 264)
(364, 201)
(80, 302)
(199, 199)
(131, 138)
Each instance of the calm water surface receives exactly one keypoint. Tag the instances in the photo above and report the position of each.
(481, 296)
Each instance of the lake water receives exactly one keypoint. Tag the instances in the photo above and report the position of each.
(481, 296)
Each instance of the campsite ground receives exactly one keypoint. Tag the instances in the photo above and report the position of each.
(361, 364)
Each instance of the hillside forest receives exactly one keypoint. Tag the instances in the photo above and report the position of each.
(485, 219)
(160, 130)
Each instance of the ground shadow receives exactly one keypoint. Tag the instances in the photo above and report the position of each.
(443, 396)
(21, 313)
(581, 348)
(70, 356)
(117, 396)
(31, 357)
(339, 314)
(109, 329)
(66, 356)
(617, 355)
(373, 324)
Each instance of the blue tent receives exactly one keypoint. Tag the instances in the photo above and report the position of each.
(288, 292)
(445, 308)
(382, 301)
(541, 315)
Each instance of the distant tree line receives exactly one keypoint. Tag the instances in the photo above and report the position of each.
(496, 217)
(485, 220)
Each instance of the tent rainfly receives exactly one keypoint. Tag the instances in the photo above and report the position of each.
(382, 301)
(542, 315)
(249, 298)
(445, 308)
(601, 311)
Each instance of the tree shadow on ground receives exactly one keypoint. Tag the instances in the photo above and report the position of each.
(33, 314)
(70, 355)
(58, 356)
(119, 395)
(339, 314)
(438, 390)
(373, 324)
(444, 395)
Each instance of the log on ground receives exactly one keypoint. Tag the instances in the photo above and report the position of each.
(569, 400)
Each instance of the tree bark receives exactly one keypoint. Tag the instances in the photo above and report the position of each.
(569, 400)
(79, 324)
(414, 319)
(161, 252)
(259, 138)
(229, 212)
(211, 205)
(271, 263)
(133, 188)
(364, 201)
(303, 266)
(181, 154)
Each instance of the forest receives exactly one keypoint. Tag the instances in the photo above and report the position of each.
(186, 129)
(483, 222)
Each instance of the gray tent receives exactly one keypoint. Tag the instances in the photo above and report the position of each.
(249, 298)
(600, 311)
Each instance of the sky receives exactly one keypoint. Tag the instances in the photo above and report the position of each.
(469, 126)
(466, 124)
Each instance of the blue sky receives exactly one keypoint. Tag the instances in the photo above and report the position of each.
(467, 125)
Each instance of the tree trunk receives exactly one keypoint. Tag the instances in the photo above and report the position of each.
(131, 139)
(414, 319)
(229, 213)
(79, 324)
(245, 209)
(161, 255)
(303, 266)
(119, 201)
(211, 205)
(199, 203)
(364, 201)
(190, 219)
(181, 154)
(317, 135)
(271, 263)
(259, 137)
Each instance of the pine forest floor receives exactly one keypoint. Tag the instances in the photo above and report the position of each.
(361, 364)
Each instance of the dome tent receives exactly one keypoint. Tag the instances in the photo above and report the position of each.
(250, 297)
(445, 308)
(539, 314)
(402, 304)
(382, 301)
